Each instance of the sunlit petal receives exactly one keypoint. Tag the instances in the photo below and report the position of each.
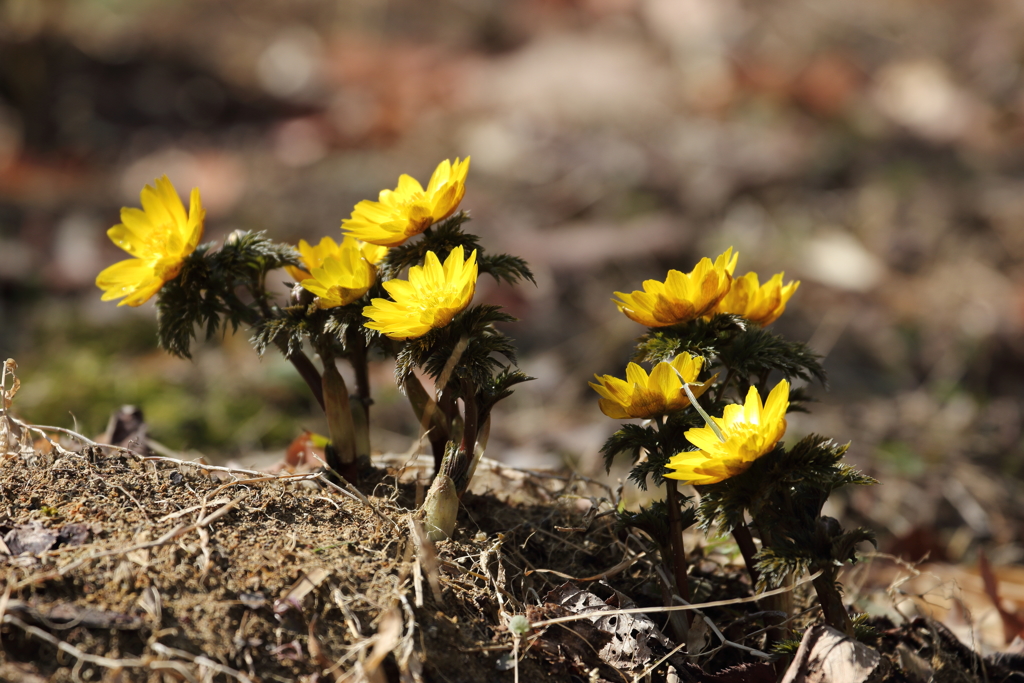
(683, 296)
(643, 396)
(750, 431)
(160, 236)
(409, 209)
(761, 304)
(428, 300)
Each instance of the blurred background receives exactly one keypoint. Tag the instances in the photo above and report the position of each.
(873, 150)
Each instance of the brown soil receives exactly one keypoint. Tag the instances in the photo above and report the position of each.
(120, 568)
(145, 575)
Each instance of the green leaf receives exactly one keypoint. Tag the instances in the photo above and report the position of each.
(497, 388)
(203, 295)
(653, 519)
(477, 362)
(194, 298)
(441, 239)
(698, 337)
(755, 353)
(774, 564)
(630, 439)
(781, 485)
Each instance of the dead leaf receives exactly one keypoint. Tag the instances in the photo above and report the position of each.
(152, 602)
(387, 638)
(126, 428)
(697, 636)
(318, 653)
(67, 615)
(31, 538)
(252, 600)
(828, 656)
(759, 672)
(629, 646)
(73, 535)
(1013, 626)
(7, 395)
(292, 598)
(573, 643)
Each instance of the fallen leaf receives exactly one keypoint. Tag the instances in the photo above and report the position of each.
(73, 535)
(630, 633)
(828, 656)
(292, 598)
(31, 538)
(1013, 626)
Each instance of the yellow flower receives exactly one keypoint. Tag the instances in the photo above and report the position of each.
(159, 237)
(682, 296)
(313, 257)
(428, 300)
(760, 304)
(343, 274)
(750, 431)
(659, 394)
(408, 210)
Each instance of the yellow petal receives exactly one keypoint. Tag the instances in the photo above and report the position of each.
(160, 237)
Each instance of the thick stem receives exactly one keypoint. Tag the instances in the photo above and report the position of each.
(481, 445)
(741, 534)
(832, 607)
(430, 416)
(783, 602)
(356, 347)
(339, 422)
(360, 430)
(299, 360)
(675, 535)
(307, 371)
(360, 401)
(462, 462)
(675, 525)
(675, 521)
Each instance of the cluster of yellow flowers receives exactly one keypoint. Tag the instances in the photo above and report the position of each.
(161, 236)
(744, 433)
(707, 290)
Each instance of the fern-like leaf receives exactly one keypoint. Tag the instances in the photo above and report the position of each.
(756, 352)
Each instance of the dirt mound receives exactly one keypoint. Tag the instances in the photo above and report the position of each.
(123, 568)
(119, 567)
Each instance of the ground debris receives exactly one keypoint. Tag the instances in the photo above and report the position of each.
(156, 567)
(147, 566)
(828, 656)
(627, 645)
(62, 616)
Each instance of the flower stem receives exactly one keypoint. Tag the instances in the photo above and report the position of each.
(741, 534)
(307, 371)
(832, 607)
(430, 415)
(360, 401)
(707, 418)
(675, 525)
(339, 422)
